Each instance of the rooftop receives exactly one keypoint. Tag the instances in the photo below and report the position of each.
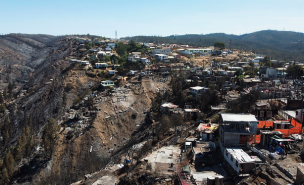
(229, 117)
(169, 105)
(197, 88)
(239, 155)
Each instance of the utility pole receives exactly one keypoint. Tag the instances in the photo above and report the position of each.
(302, 106)
(230, 44)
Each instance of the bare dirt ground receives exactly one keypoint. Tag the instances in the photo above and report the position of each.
(279, 170)
(113, 126)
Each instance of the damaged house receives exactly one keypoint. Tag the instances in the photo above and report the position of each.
(236, 129)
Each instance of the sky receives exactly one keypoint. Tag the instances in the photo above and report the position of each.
(154, 17)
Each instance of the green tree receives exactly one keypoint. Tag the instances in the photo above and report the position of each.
(121, 49)
(295, 71)
(238, 72)
(88, 45)
(177, 82)
(114, 59)
(107, 58)
(245, 102)
(240, 79)
(266, 59)
(132, 46)
(219, 45)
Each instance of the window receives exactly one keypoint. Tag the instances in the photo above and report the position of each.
(236, 163)
(226, 153)
(231, 158)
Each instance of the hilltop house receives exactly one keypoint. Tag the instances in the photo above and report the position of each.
(111, 45)
(198, 90)
(112, 72)
(268, 72)
(145, 61)
(281, 71)
(84, 63)
(190, 51)
(236, 129)
(239, 160)
(161, 57)
(134, 56)
(101, 54)
(107, 83)
(101, 65)
(165, 51)
(73, 60)
(168, 107)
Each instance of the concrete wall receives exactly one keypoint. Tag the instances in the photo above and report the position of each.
(231, 139)
(300, 174)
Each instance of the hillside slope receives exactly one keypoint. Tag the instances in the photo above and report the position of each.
(277, 44)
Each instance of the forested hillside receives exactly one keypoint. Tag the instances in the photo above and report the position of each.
(284, 45)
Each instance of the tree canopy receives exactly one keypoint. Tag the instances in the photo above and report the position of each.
(219, 45)
(295, 70)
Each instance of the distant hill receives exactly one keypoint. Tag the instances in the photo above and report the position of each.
(284, 45)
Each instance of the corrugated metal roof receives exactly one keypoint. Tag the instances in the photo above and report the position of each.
(228, 117)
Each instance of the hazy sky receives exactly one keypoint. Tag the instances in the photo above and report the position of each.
(153, 17)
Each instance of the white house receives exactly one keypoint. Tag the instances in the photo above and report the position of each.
(134, 56)
(268, 72)
(168, 106)
(224, 54)
(258, 58)
(132, 73)
(165, 51)
(101, 54)
(101, 65)
(112, 72)
(198, 89)
(107, 83)
(109, 53)
(84, 63)
(145, 61)
(239, 160)
(281, 71)
(190, 51)
(161, 57)
(111, 45)
(72, 60)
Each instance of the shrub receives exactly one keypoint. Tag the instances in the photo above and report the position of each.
(68, 87)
